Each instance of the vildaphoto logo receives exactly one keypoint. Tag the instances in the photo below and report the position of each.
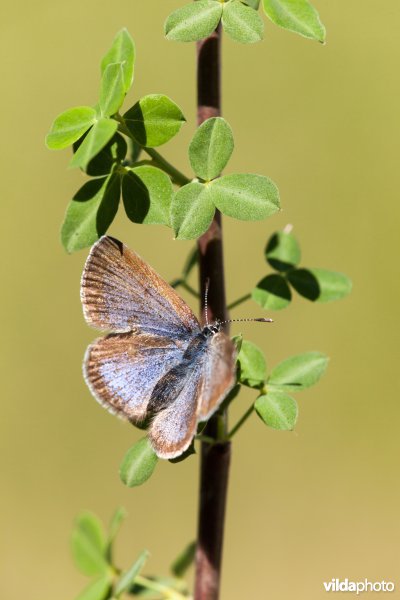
(358, 587)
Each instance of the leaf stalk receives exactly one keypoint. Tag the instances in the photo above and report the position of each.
(167, 592)
(239, 301)
(241, 421)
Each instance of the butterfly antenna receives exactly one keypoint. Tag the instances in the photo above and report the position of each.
(259, 320)
(207, 286)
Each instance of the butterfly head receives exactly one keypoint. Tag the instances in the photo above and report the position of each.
(211, 329)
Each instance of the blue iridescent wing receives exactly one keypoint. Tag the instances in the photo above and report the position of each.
(122, 370)
(191, 392)
(120, 292)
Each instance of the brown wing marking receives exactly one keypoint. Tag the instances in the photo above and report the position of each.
(219, 374)
(120, 292)
(174, 427)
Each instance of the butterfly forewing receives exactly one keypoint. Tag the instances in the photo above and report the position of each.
(120, 292)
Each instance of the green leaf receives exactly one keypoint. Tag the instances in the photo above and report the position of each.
(320, 285)
(253, 369)
(112, 91)
(118, 517)
(97, 590)
(138, 464)
(283, 251)
(113, 152)
(272, 293)
(147, 194)
(70, 126)
(101, 133)
(211, 148)
(238, 341)
(154, 120)
(296, 15)
(127, 579)
(193, 21)
(191, 211)
(90, 213)
(121, 51)
(242, 23)
(135, 150)
(299, 372)
(184, 560)
(88, 545)
(246, 197)
(305, 283)
(277, 410)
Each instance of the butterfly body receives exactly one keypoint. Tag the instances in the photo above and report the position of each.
(192, 361)
(158, 364)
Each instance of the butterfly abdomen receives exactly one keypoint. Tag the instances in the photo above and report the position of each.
(173, 382)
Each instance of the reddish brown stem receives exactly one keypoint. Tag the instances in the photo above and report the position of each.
(215, 458)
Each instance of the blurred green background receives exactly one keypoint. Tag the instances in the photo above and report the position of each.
(323, 122)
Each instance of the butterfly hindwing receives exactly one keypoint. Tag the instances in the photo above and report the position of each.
(190, 392)
(219, 374)
(122, 370)
(120, 292)
(173, 426)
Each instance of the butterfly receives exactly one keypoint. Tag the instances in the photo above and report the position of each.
(158, 365)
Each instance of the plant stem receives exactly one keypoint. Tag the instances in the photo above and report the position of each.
(239, 301)
(205, 438)
(159, 161)
(142, 163)
(242, 420)
(215, 458)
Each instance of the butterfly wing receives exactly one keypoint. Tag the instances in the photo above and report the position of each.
(120, 292)
(122, 370)
(191, 392)
(174, 425)
(219, 374)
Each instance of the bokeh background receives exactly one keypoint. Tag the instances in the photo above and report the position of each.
(323, 122)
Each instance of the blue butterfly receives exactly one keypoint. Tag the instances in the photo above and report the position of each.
(158, 366)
